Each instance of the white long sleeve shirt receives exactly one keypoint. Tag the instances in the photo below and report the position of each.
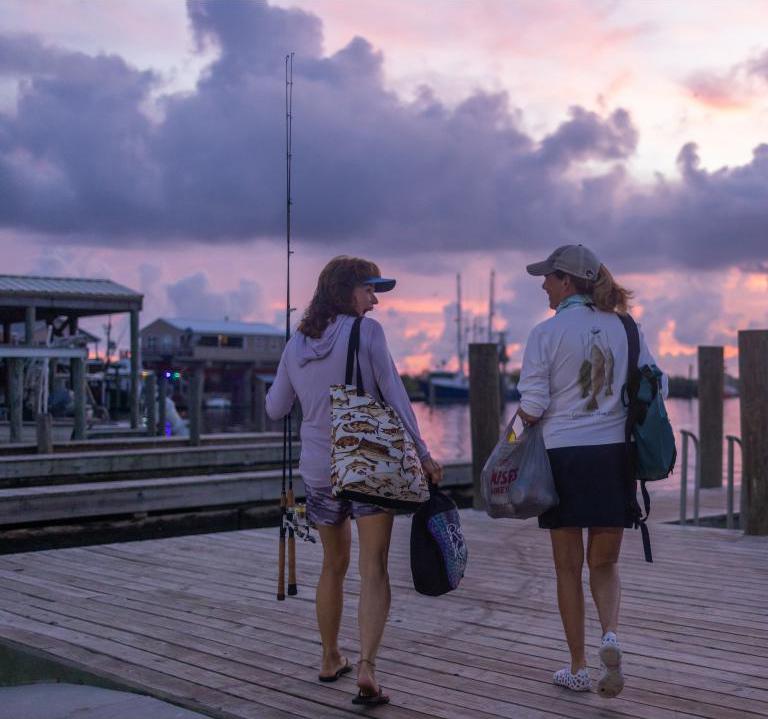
(574, 368)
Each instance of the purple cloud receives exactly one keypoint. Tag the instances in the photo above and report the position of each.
(92, 153)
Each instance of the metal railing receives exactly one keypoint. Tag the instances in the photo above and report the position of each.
(732, 441)
(686, 435)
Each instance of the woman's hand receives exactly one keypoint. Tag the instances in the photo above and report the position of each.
(432, 469)
(528, 419)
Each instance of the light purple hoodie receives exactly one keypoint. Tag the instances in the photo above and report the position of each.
(310, 366)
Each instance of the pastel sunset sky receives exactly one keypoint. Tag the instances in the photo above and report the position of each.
(144, 142)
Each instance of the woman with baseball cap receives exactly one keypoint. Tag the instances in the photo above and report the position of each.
(314, 359)
(574, 368)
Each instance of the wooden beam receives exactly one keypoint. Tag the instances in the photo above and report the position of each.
(196, 387)
(753, 380)
(260, 399)
(29, 325)
(150, 400)
(484, 408)
(23, 352)
(44, 426)
(16, 398)
(134, 388)
(711, 387)
(162, 393)
(78, 387)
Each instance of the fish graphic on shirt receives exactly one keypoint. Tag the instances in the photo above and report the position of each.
(609, 363)
(598, 375)
(585, 378)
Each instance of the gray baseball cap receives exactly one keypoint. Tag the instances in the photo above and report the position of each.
(575, 260)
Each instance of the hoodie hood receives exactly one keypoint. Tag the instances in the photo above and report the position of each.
(311, 349)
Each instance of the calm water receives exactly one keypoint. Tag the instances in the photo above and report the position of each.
(446, 428)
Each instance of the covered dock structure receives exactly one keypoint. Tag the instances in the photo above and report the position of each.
(60, 302)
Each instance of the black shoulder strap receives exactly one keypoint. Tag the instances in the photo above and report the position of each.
(633, 354)
(629, 395)
(353, 356)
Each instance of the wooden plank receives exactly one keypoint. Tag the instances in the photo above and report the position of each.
(203, 607)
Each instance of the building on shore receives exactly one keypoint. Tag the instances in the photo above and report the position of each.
(239, 359)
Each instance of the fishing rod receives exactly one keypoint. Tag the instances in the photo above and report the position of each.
(293, 520)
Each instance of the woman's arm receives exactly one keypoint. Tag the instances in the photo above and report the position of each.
(534, 379)
(393, 392)
(281, 395)
(646, 358)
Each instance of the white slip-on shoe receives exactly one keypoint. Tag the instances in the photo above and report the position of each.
(612, 681)
(578, 682)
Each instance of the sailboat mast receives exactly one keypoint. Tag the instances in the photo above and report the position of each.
(491, 306)
(459, 329)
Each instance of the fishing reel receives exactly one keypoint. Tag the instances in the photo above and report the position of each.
(295, 520)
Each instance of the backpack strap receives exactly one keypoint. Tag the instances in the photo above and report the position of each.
(629, 397)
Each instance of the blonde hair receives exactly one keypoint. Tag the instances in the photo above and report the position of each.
(607, 294)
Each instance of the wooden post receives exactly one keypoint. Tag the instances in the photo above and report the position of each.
(44, 434)
(247, 395)
(134, 390)
(484, 410)
(711, 386)
(196, 405)
(162, 393)
(78, 387)
(29, 326)
(753, 386)
(150, 399)
(6, 367)
(16, 397)
(259, 401)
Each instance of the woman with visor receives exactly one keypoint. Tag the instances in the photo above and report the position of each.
(314, 359)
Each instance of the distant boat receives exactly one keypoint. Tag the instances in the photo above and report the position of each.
(730, 390)
(218, 403)
(454, 387)
(444, 386)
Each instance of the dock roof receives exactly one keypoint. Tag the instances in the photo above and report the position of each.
(55, 296)
(222, 327)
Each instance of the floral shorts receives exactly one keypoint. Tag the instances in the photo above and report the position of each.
(324, 509)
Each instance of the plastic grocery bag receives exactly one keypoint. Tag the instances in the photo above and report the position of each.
(517, 479)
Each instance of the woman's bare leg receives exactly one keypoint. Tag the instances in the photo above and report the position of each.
(568, 553)
(603, 547)
(336, 541)
(374, 532)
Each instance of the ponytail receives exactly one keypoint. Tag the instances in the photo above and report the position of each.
(606, 293)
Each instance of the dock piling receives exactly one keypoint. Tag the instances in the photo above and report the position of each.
(150, 398)
(753, 381)
(484, 408)
(711, 386)
(78, 387)
(162, 393)
(196, 405)
(15, 397)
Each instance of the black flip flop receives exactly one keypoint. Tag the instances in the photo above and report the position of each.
(371, 700)
(346, 669)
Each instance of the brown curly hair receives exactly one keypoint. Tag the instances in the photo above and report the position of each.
(333, 295)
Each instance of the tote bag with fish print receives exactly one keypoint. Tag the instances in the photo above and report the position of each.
(373, 458)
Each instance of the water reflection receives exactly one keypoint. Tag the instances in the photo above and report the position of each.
(445, 428)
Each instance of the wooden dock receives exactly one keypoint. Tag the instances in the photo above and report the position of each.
(194, 620)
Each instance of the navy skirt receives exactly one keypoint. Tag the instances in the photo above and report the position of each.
(593, 487)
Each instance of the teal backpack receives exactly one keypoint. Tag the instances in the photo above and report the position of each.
(653, 453)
